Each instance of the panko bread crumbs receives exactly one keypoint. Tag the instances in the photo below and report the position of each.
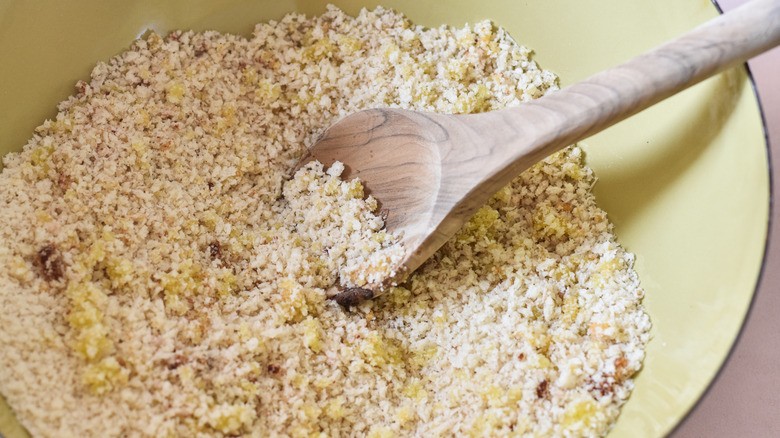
(164, 275)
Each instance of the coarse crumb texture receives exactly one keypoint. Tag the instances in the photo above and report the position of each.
(164, 276)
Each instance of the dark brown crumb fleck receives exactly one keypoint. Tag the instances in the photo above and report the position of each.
(541, 390)
(201, 50)
(215, 250)
(49, 262)
(63, 181)
(81, 87)
(603, 387)
(273, 368)
(352, 296)
(521, 356)
(176, 361)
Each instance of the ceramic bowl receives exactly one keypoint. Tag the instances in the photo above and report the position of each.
(686, 183)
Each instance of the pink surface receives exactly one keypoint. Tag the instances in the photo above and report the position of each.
(744, 401)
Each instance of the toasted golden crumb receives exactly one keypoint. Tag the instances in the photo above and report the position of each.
(166, 276)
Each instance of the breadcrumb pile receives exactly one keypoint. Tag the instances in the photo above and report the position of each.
(164, 275)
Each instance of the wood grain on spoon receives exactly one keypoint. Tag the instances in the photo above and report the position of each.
(431, 172)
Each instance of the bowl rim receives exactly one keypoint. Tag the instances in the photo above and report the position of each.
(716, 400)
(762, 287)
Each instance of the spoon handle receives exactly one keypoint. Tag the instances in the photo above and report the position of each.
(543, 126)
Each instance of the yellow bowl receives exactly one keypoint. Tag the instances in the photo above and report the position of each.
(686, 183)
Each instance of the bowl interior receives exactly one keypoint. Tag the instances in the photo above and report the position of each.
(686, 183)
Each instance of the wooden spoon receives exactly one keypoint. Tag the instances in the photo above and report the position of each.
(431, 172)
